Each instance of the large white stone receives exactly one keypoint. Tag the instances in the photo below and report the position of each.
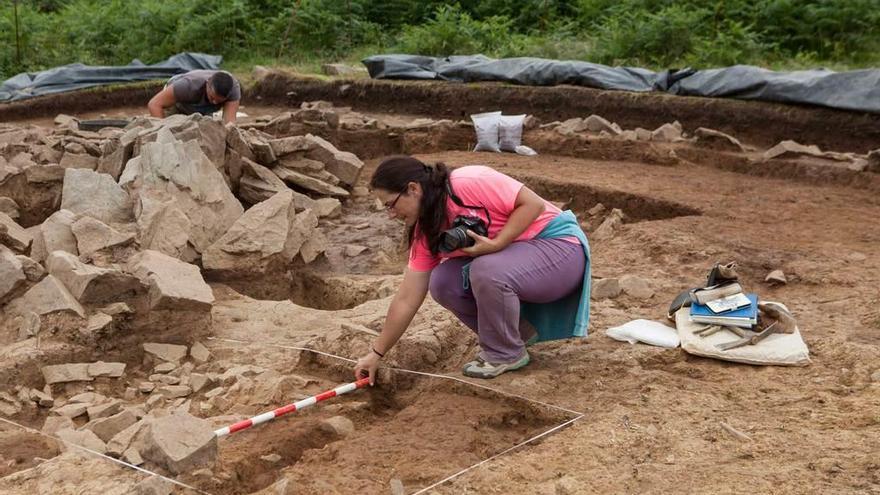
(83, 438)
(170, 353)
(88, 283)
(306, 182)
(93, 235)
(173, 284)
(9, 207)
(62, 373)
(107, 428)
(48, 296)
(347, 166)
(163, 226)
(13, 235)
(12, 276)
(180, 443)
(171, 173)
(270, 233)
(57, 235)
(95, 195)
(258, 183)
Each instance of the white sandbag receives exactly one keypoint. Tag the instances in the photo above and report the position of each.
(525, 150)
(647, 331)
(784, 349)
(486, 125)
(510, 129)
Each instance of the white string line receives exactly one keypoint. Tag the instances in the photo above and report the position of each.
(118, 461)
(449, 478)
(403, 370)
(465, 470)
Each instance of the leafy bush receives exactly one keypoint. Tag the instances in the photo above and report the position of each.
(653, 33)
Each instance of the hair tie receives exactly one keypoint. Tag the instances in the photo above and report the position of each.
(428, 169)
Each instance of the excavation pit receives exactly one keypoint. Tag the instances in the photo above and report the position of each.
(685, 207)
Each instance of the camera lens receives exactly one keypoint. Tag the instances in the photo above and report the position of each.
(454, 238)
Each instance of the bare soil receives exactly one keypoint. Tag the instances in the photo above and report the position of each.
(652, 417)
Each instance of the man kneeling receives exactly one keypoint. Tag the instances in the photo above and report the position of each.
(198, 91)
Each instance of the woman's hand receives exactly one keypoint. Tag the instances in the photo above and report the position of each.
(367, 366)
(482, 245)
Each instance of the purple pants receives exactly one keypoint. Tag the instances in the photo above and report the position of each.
(535, 271)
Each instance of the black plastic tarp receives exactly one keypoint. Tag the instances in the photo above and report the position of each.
(853, 90)
(77, 76)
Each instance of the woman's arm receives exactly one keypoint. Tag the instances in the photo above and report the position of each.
(527, 207)
(403, 308)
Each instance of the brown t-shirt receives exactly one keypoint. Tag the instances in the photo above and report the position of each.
(189, 87)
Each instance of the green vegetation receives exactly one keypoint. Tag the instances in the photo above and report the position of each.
(656, 34)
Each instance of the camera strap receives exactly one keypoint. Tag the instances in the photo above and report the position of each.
(455, 199)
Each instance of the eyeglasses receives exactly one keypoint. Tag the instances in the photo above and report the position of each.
(390, 206)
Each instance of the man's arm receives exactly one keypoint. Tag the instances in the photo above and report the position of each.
(230, 109)
(162, 100)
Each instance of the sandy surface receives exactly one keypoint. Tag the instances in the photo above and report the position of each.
(651, 417)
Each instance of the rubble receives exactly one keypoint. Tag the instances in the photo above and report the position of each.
(12, 235)
(180, 443)
(100, 368)
(33, 271)
(71, 410)
(667, 132)
(95, 195)
(338, 425)
(12, 276)
(97, 322)
(93, 235)
(172, 283)
(268, 235)
(717, 140)
(174, 181)
(88, 283)
(54, 424)
(9, 207)
(612, 222)
(109, 427)
(122, 440)
(776, 277)
(29, 325)
(258, 183)
(199, 353)
(48, 296)
(83, 438)
(595, 123)
(54, 234)
(78, 161)
(791, 149)
(605, 288)
(104, 410)
(174, 391)
(169, 353)
(9, 406)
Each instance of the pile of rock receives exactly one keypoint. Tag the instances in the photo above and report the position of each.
(159, 430)
(315, 116)
(599, 126)
(97, 226)
(792, 150)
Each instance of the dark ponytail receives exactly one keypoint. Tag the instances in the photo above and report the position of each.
(396, 172)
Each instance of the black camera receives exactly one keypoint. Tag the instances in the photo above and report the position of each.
(456, 237)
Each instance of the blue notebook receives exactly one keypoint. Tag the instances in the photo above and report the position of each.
(742, 317)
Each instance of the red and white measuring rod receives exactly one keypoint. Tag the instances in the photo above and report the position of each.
(296, 406)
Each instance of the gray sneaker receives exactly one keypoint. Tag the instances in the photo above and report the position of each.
(480, 368)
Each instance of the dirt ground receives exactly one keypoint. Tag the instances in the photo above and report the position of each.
(651, 417)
